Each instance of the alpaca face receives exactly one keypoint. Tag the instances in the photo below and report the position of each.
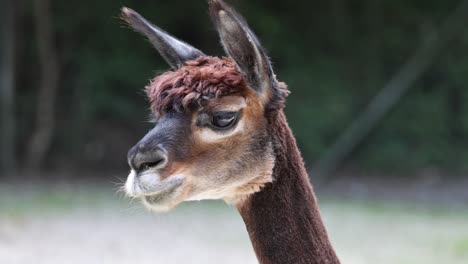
(211, 137)
(220, 152)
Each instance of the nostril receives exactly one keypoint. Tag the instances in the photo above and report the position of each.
(141, 159)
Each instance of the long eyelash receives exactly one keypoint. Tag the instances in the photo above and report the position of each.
(224, 113)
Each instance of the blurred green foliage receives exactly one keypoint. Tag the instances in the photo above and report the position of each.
(334, 55)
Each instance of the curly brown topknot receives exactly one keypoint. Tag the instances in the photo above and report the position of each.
(189, 87)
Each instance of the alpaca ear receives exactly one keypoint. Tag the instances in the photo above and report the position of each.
(174, 51)
(241, 44)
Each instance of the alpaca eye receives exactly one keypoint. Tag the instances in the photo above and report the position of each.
(224, 120)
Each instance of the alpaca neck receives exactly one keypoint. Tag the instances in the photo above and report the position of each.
(283, 219)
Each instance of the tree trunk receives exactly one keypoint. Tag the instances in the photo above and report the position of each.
(48, 61)
(7, 88)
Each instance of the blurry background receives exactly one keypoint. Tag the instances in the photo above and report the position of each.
(378, 106)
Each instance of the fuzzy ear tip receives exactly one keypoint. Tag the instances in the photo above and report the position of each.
(131, 17)
(126, 13)
(216, 5)
(218, 10)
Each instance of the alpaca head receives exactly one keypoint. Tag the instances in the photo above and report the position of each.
(211, 138)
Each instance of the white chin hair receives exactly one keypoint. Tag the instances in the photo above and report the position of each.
(131, 188)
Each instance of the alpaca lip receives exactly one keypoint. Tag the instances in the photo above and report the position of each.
(164, 198)
(161, 188)
(150, 184)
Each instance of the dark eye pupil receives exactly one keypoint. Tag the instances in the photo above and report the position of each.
(223, 120)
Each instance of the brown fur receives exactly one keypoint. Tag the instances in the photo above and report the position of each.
(283, 219)
(191, 86)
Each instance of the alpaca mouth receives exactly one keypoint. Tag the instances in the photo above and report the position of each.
(159, 188)
(156, 195)
(149, 186)
(165, 198)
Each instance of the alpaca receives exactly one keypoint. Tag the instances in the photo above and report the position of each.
(221, 133)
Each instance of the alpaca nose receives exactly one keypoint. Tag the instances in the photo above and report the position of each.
(141, 158)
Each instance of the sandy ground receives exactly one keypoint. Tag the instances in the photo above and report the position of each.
(90, 224)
